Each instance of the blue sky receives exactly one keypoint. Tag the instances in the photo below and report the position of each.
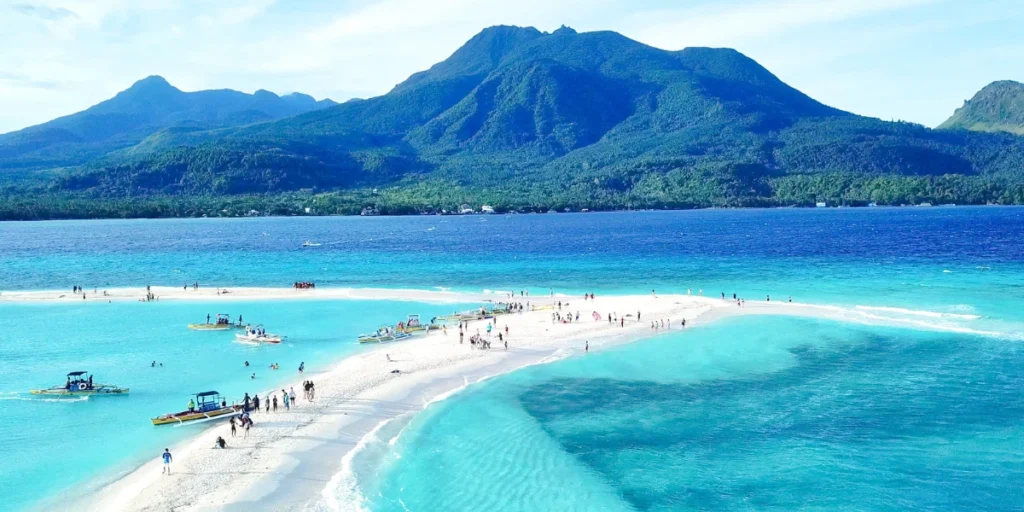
(914, 60)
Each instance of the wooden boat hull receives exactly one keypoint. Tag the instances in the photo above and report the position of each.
(384, 339)
(212, 327)
(83, 392)
(185, 417)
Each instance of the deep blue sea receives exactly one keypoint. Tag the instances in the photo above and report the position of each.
(746, 414)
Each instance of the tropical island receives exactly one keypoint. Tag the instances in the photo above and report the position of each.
(519, 120)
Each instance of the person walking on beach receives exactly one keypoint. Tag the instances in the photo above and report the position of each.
(284, 398)
(291, 395)
(312, 391)
(275, 403)
(586, 348)
(256, 403)
(167, 461)
(233, 428)
(245, 434)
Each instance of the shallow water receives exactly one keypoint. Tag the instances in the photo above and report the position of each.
(748, 414)
(50, 444)
(958, 269)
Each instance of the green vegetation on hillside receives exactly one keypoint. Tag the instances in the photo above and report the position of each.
(998, 107)
(527, 121)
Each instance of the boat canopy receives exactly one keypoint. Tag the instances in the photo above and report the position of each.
(76, 374)
(207, 393)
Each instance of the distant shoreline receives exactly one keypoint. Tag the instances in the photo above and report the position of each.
(510, 212)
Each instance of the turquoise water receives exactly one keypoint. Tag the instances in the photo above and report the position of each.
(953, 269)
(52, 444)
(747, 414)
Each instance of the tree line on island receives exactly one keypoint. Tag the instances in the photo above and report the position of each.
(518, 119)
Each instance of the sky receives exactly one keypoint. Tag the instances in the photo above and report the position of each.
(913, 60)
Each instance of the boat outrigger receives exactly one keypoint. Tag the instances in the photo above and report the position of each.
(81, 384)
(207, 405)
(257, 335)
(480, 313)
(384, 334)
(223, 323)
(414, 325)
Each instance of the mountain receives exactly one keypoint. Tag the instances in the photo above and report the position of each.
(148, 106)
(998, 107)
(528, 120)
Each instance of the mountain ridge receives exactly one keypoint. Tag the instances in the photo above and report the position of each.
(530, 120)
(997, 107)
(149, 105)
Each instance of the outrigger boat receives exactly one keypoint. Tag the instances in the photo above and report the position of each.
(223, 323)
(81, 384)
(413, 325)
(477, 314)
(384, 334)
(256, 336)
(208, 405)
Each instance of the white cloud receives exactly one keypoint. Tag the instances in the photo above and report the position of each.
(726, 23)
(64, 55)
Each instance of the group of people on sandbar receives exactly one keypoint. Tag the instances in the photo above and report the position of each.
(303, 285)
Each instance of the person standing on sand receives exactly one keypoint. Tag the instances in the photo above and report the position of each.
(284, 398)
(586, 348)
(275, 403)
(167, 461)
(256, 403)
(233, 431)
(638, 315)
(291, 395)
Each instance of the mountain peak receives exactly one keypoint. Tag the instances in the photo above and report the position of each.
(997, 107)
(152, 83)
(479, 56)
(265, 94)
(564, 30)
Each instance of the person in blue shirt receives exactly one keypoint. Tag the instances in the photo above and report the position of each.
(167, 461)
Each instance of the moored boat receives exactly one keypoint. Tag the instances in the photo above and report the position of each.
(414, 325)
(81, 384)
(207, 405)
(223, 323)
(307, 243)
(384, 334)
(256, 335)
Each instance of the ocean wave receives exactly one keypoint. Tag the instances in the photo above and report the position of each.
(342, 491)
(932, 326)
(918, 312)
(18, 396)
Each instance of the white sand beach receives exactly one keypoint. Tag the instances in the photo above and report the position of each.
(207, 293)
(294, 460)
